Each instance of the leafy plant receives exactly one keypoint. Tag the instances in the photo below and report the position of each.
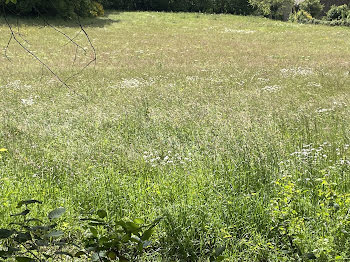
(109, 240)
(31, 239)
(302, 236)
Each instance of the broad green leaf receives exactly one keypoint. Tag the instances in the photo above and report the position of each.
(219, 251)
(138, 221)
(23, 237)
(57, 213)
(79, 254)
(5, 233)
(93, 231)
(147, 234)
(55, 234)
(102, 213)
(112, 255)
(126, 238)
(132, 226)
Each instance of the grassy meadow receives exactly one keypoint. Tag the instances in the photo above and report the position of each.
(235, 129)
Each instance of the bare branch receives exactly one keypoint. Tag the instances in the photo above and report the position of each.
(7, 46)
(71, 40)
(88, 38)
(94, 58)
(13, 36)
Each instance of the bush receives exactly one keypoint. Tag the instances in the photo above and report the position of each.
(207, 6)
(96, 9)
(301, 16)
(276, 9)
(313, 7)
(63, 8)
(338, 12)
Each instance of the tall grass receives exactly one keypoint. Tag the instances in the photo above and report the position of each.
(232, 128)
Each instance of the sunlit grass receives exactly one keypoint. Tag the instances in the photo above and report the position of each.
(189, 116)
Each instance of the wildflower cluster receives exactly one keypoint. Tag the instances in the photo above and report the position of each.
(271, 89)
(169, 158)
(17, 84)
(298, 71)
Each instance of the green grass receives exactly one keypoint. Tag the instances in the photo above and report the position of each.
(192, 117)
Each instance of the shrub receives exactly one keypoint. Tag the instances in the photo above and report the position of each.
(338, 12)
(313, 7)
(300, 17)
(96, 9)
(208, 6)
(63, 8)
(276, 9)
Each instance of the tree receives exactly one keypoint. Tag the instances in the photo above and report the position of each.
(276, 9)
(63, 8)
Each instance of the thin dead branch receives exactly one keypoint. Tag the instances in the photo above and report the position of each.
(14, 36)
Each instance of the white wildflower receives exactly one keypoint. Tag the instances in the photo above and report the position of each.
(239, 31)
(298, 71)
(28, 102)
(271, 89)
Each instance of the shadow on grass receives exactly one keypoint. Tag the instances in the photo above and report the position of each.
(58, 22)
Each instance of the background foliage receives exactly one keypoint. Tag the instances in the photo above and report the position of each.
(64, 8)
(68, 8)
(216, 6)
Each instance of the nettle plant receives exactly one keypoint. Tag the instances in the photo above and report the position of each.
(38, 240)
